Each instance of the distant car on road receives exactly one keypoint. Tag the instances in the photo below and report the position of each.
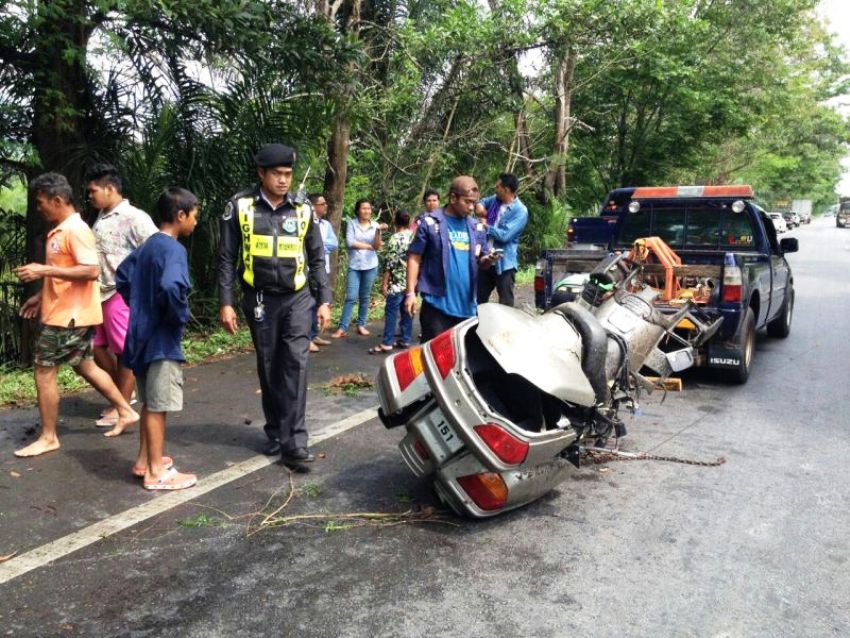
(842, 215)
(792, 219)
(778, 223)
(805, 217)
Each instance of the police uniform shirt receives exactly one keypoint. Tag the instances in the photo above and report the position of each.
(277, 249)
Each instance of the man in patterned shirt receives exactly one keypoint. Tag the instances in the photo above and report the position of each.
(394, 284)
(120, 228)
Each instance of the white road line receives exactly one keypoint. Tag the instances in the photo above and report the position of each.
(54, 550)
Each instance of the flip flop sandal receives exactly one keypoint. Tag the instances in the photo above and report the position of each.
(403, 346)
(140, 472)
(171, 480)
(380, 349)
(107, 422)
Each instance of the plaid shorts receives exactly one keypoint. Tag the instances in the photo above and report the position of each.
(57, 345)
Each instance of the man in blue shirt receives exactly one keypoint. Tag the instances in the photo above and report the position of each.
(506, 219)
(444, 259)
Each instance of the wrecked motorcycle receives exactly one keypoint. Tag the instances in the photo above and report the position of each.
(498, 408)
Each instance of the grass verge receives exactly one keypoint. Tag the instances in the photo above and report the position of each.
(17, 386)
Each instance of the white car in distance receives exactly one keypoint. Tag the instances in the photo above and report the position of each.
(778, 223)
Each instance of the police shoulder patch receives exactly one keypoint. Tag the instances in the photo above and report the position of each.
(228, 212)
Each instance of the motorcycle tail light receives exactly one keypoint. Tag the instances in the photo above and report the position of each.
(504, 444)
(408, 366)
(487, 490)
(421, 451)
(443, 351)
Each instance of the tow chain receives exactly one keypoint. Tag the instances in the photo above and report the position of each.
(603, 455)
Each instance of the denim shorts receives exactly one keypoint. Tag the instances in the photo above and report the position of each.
(160, 387)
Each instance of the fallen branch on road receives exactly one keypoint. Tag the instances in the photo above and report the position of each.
(604, 455)
(332, 521)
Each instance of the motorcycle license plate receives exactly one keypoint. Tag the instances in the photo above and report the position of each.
(445, 430)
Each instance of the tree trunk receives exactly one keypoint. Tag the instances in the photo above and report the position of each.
(336, 172)
(555, 182)
(523, 146)
(61, 100)
(62, 111)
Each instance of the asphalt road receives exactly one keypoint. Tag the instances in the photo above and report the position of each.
(755, 547)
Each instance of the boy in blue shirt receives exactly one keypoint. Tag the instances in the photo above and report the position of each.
(154, 282)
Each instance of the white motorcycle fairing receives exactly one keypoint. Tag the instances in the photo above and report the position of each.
(545, 350)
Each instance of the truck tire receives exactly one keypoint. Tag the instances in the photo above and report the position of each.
(781, 326)
(748, 349)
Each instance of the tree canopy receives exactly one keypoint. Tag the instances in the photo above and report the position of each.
(384, 98)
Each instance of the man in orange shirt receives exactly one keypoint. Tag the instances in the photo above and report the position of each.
(69, 309)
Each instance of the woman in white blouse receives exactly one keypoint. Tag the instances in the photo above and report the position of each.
(363, 238)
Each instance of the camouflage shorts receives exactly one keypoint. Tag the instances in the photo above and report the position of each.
(63, 345)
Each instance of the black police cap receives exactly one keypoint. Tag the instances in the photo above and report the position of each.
(275, 155)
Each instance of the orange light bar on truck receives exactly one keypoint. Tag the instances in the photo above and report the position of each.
(670, 192)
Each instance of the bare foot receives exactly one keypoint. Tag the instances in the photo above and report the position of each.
(38, 447)
(124, 421)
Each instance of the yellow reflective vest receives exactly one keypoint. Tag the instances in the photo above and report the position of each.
(277, 249)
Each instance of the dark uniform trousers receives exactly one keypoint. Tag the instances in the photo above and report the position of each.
(282, 344)
(504, 285)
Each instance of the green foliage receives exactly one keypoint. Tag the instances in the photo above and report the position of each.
(13, 198)
(17, 386)
(203, 346)
(311, 489)
(547, 226)
(180, 92)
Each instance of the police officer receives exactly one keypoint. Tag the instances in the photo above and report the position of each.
(272, 237)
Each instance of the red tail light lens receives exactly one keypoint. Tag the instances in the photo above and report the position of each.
(421, 451)
(408, 366)
(443, 351)
(487, 490)
(539, 283)
(733, 279)
(731, 293)
(504, 444)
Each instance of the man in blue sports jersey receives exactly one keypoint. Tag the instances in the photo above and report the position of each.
(444, 258)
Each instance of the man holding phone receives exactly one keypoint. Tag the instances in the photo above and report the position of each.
(506, 218)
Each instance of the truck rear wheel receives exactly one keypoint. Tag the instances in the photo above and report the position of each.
(781, 326)
(748, 348)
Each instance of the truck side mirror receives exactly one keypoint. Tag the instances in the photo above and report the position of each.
(789, 245)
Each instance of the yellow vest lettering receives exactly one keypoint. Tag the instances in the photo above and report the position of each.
(270, 246)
